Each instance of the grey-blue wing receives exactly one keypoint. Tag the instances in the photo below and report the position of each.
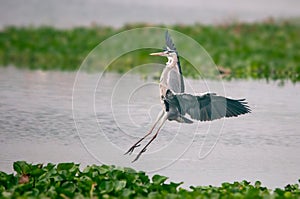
(175, 81)
(209, 106)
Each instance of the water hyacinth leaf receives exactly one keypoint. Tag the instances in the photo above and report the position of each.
(153, 195)
(6, 194)
(87, 169)
(176, 185)
(85, 180)
(49, 166)
(65, 166)
(69, 186)
(252, 193)
(117, 184)
(257, 184)
(3, 177)
(120, 184)
(158, 179)
(143, 177)
(37, 171)
(7, 180)
(104, 169)
(129, 170)
(127, 193)
(57, 178)
(106, 187)
(21, 167)
(248, 52)
(17, 168)
(172, 187)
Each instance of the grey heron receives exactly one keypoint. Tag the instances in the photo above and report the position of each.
(176, 104)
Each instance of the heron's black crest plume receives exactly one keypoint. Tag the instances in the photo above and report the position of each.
(169, 43)
(171, 46)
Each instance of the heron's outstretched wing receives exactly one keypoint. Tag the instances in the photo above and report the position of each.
(209, 106)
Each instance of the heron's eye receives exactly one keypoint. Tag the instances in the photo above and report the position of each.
(170, 52)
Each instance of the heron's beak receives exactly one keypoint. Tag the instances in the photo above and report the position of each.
(158, 54)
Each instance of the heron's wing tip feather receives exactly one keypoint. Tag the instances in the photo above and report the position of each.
(210, 106)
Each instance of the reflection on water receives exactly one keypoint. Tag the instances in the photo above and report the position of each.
(36, 125)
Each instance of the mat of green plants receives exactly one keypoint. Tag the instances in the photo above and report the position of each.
(264, 50)
(67, 180)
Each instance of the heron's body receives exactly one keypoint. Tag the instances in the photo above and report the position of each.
(177, 104)
(171, 78)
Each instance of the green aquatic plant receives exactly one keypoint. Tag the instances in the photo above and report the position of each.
(265, 50)
(67, 180)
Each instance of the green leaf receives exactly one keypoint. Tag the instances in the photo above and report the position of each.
(257, 184)
(154, 195)
(49, 166)
(87, 169)
(106, 187)
(36, 170)
(129, 170)
(65, 166)
(143, 177)
(7, 180)
(103, 169)
(17, 167)
(127, 192)
(21, 167)
(119, 185)
(158, 179)
(66, 181)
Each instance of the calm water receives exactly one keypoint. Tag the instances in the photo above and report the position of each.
(117, 13)
(39, 122)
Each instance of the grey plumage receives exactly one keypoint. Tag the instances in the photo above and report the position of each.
(175, 83)
(171, 46)
(206, 107)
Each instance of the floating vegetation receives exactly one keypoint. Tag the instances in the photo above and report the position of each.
(66, 180)
(265, 50)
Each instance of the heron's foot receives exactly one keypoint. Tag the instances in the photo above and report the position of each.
(132, 149)
(140, 153)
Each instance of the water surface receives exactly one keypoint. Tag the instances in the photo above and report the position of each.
(115, 13)
(39, 122)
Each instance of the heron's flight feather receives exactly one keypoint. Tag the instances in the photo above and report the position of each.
(207, 107)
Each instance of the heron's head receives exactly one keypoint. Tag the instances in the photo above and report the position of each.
(167, 53)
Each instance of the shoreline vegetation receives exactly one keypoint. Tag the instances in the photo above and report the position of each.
(67, 180)
(264, 50)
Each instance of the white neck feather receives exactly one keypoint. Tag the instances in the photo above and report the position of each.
(171, 61)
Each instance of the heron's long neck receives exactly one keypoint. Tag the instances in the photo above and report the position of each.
(172, 61)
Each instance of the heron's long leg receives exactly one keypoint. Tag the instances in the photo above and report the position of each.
(160, 115)
(145, 148)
